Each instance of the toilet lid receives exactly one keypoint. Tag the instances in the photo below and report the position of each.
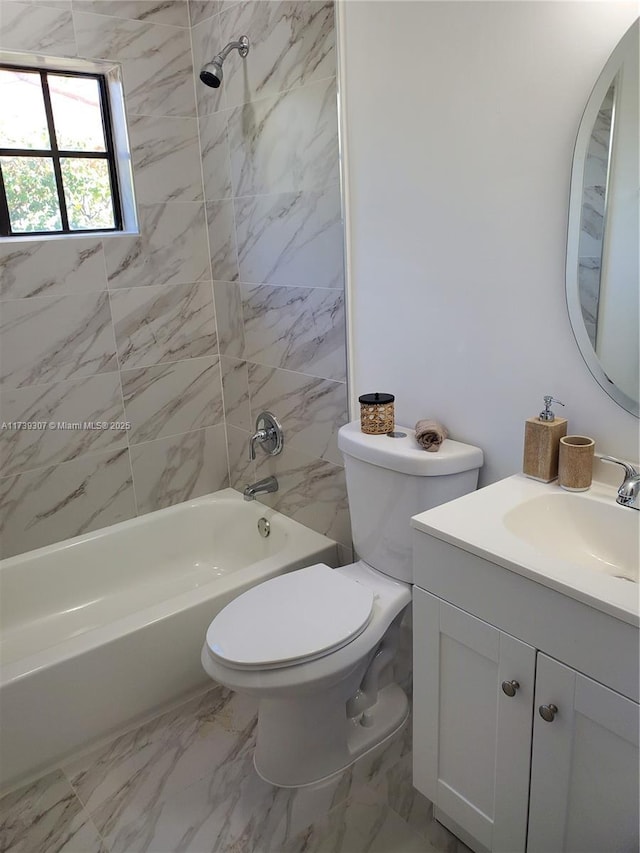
(290, 619)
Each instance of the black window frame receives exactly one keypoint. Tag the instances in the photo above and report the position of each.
(56, 154)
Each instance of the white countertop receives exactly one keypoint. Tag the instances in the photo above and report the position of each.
(476, 524)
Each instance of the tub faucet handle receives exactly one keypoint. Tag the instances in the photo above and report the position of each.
(268, 435)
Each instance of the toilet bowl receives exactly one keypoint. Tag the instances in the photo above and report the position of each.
(317, 646)
(303, 643)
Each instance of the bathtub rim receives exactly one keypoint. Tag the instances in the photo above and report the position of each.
(305, 541)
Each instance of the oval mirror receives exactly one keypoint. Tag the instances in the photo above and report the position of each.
(602, 277)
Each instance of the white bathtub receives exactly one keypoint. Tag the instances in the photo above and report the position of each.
(102, 630)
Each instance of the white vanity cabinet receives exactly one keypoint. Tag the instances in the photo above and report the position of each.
(472, 741)
(487, 650)
(584, 768)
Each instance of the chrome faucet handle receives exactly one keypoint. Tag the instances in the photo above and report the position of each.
(629, 491)
(629, 470)
(268, 433)
(259, 435)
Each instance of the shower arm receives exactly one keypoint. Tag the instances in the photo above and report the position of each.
(242, 46)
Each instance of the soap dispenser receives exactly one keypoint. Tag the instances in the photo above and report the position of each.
(542, 443)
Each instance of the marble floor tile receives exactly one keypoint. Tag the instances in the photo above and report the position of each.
(396, 790)
(47, 817)
(143, 768)
(231, 809)
(185, 783)
(360, 824)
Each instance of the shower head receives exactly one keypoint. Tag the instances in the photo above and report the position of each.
(211, 73)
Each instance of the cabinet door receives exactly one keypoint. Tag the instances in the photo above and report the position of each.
(471, 740)
(584, 773)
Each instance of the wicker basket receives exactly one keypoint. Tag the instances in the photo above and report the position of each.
(376, 413)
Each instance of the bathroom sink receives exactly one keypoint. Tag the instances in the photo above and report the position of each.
(590, 533)
(582, 544)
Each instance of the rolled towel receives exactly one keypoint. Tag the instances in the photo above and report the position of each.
(430, 435)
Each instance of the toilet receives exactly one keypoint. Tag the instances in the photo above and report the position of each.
(316, 646)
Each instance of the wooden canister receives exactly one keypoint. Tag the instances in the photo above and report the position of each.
(376, 413)
(575, 466)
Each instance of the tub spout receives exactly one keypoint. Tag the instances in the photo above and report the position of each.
(262, 487)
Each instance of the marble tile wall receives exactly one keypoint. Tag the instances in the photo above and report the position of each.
(269, 141)
(120, 329)
(229, 300)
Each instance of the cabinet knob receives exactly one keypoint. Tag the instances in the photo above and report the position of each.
(548, 712)
(510, 687)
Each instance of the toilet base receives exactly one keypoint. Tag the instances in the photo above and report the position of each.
(298, 745)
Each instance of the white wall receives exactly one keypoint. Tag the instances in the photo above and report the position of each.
(459, 120)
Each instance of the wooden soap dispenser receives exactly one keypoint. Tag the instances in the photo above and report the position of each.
(542, 443)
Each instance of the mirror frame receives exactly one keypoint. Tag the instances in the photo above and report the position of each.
(576, 319)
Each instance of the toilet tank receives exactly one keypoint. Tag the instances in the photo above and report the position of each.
(390, 479)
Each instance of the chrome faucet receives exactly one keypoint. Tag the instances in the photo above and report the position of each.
(262, 487)
(268, 434)
(629, 491)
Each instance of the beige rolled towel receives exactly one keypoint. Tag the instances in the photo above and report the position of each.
(430, 434)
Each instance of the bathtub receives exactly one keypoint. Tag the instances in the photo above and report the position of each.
(102, 630)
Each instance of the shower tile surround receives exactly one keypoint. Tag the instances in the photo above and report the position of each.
(185, 781)
(230, 300)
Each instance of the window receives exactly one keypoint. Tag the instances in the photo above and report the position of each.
(57, 161)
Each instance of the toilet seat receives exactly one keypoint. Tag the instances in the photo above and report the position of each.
(290, 619)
